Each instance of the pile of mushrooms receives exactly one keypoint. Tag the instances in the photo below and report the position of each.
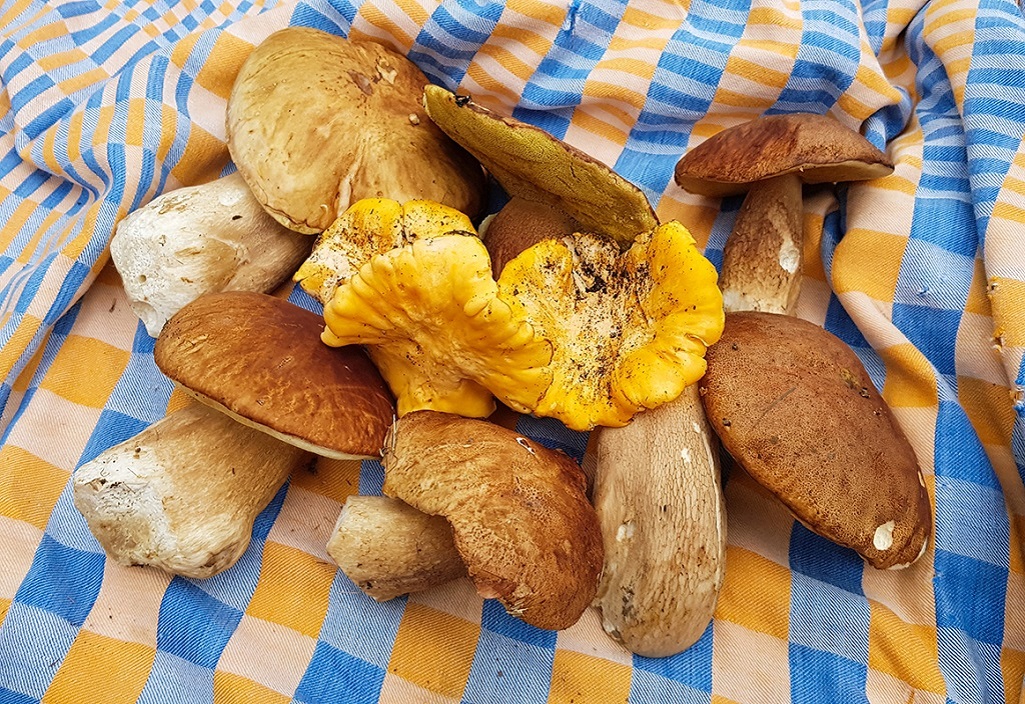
(574, 302)
(183, 494)
(791, 402)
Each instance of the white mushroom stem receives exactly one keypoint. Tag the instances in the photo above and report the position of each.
(761, 268)
(388, 548)
(183, 494)
(659, 501)
(201, 239)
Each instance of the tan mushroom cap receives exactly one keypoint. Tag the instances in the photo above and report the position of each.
(796, 409)
(260, 360)
(519, 225)
(518, 510)
(316, 121)
(532, 164)
(816, 148)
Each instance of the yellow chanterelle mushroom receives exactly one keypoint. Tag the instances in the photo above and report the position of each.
(372, 226)
(574, 329)
(434, 324)
(628, 330)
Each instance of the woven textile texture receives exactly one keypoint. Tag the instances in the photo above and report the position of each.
(107, 104)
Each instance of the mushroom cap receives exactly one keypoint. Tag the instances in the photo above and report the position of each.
(520, 224)
(316, 121)
(433, 322)
(372, 226)
(519, 511)
(796, 409)
(260, 360)
(628, 329)
(816, 148)
(532, 164)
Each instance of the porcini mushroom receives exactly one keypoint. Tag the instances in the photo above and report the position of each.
(316, 122)
(519, 225)
(518, 511)
(388, 548)
(770, 158)
(645, 603)
(200, 239)
(795, 407)
(531, 164)
(183, 494)
(792, 403)
(664, 557)
(260, 360)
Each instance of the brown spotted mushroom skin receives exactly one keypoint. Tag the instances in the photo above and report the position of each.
(796, 409)
(519, 511)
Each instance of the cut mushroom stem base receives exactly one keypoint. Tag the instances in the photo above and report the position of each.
(388, 548)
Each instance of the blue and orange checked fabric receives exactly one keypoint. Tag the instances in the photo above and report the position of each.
(106, 104)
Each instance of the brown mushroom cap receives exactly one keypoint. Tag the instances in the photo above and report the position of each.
(260, 360)
(521, 224)
(816, 148)
(316, 121)
(533, 165)
(518, 510)
(796, 409)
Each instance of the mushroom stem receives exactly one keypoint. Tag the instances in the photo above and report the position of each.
(660, 505)
(388, 548)
(761, 268)
(197, 240)
(182, 495)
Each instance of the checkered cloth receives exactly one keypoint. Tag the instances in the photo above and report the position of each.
(107, 104)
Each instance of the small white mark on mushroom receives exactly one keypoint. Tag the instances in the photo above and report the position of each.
(789, 257)
(686, 455)
(611, 629)
(695, 427)
(625, 531)
(883, 537)
(414, 119)
(387, 72)
(905, 565)
(921, 479)
(522, 442)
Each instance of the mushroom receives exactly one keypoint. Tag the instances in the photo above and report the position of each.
(790, 402)
(200, 239)
(198, 479)
(665, 612)
(368, 227)
(628, 329)
(664, 557)
(316, 122)
(433, 321)
(770, 158)
(259, 359)
(531, 164)
(388, 548)
(519, 513)
(573, 329)
(795, 407)
(520, 224)
(183, 494)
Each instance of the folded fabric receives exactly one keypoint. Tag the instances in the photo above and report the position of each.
(106, 105)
